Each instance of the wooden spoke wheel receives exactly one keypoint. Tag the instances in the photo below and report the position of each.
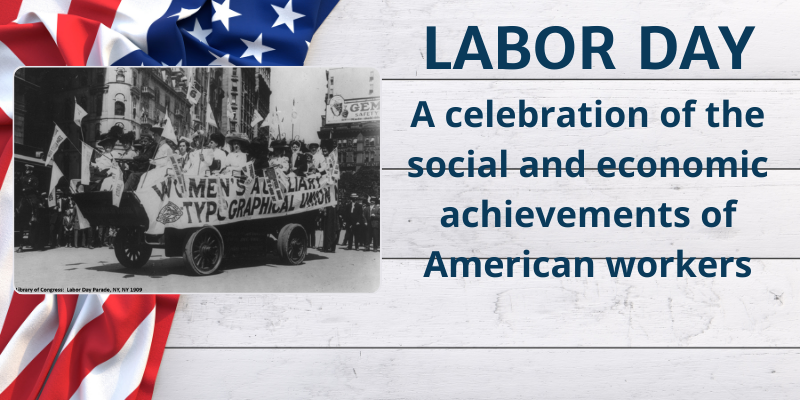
(204, 250)
(292, 244)
(130, 248)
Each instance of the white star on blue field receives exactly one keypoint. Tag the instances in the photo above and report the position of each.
(236, 32)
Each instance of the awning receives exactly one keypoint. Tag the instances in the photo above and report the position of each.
(29, 160)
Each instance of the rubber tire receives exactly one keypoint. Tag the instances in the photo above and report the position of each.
(286, 250)
(133, 257)
(208, 236)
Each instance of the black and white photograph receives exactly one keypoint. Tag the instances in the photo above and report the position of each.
(196, 180)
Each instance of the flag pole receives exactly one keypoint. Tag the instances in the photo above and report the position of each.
(293, 111)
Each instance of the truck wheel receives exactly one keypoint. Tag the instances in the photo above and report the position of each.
(130, 249)
(203, 251)
(292, 243)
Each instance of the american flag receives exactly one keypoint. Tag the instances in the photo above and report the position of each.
(82, 346)
(110, 346)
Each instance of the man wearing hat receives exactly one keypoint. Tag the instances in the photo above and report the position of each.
(330, 229)
(374, 224)
(29, 201)
(297, 161)
(354, 221)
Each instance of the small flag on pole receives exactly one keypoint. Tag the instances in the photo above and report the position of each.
(83, 223)
(249, 172)
(79, 113)
(210, 116)
(55, 176)
(230, 109)
(256, 119)
(178, 171)
(169, 132)
(271, 190)
(116, 192)
(86, 159)
(58, 137)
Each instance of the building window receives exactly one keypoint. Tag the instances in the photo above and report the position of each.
(119, 108)
(121, 75)
(135, 76)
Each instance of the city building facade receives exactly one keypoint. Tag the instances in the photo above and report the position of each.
(352, 116)
(135, 98)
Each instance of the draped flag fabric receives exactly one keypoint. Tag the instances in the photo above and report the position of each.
(110, 347)
(93, 346)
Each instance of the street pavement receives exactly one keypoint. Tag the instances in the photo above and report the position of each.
(342, 271)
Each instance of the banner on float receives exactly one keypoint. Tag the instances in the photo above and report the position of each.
(220, 200)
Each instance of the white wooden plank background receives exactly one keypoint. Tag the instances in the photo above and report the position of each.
(479, 374)
(436, 337)
(411, 311)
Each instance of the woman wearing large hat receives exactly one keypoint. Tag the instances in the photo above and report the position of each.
(195, 163)
(279, 160)
(219, 157)
(298, 165)
(237, 158)
(103, 169)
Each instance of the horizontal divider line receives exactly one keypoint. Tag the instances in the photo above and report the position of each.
(485, 348)
(593, 258)
(587, 169)
(590, 79)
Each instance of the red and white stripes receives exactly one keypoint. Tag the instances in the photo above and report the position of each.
(69, 32)
(99, 347)
(33, 328)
